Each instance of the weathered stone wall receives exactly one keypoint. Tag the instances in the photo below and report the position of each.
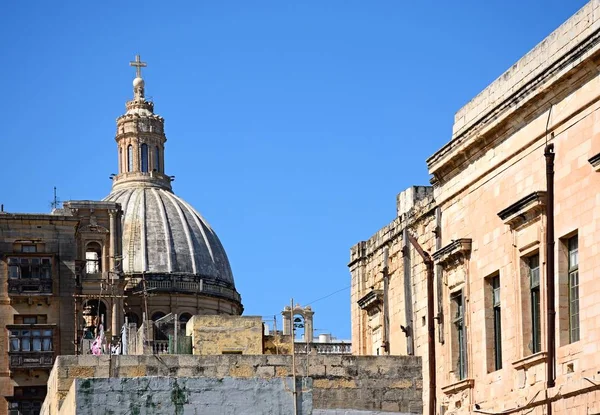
(391, 383)
(177, 396)
(214, 335)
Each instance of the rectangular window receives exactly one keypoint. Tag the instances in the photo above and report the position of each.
(38, 340)
(29, 268)
(459, 335)
(29, 319)
(497, 317)
(534, 295)
(26, 400)
(25, 407)
(573, 246)
(28, 248)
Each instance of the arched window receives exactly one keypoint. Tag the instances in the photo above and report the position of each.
(144, 157)
(120, 159)
(129, 158)
(158, 315)
(93, 255)
(157, 159)
(183, 319)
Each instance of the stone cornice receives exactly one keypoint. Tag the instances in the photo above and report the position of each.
(455, 250)
(372, 299)
(91, 204)
(595, 162)
(524, 209)
(472, 137)
(531, 360)
(458, 386)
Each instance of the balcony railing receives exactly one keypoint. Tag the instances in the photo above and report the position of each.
(324, 348)
(31, 360)
(160, 347)
(29, 286)
(175, 283)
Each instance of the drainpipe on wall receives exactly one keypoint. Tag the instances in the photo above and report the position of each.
(408, 310)
(430, 327)
(386, 314)
(551, 343)
(438, 272)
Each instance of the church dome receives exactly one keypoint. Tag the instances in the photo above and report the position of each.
(163, 234)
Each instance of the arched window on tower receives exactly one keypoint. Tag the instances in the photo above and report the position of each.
(129, 158)
(157, 159)
(120, 159)
(93, 256)
(144, 154)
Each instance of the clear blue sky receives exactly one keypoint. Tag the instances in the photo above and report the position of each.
(292, 125)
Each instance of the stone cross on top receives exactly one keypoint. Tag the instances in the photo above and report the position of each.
(138, 66)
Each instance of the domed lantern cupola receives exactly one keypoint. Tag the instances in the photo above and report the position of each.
(140, 140)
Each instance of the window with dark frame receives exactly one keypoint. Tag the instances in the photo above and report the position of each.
(459, 328)
(32, 407)
(30, 340)
(533, 263)
(573, 246)
(29, 268)
(26, 400)
(495, 285)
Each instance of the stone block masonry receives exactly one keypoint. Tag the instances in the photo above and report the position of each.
(391, 384)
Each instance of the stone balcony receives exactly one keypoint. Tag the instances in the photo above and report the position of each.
(29, 287)
(30, 360)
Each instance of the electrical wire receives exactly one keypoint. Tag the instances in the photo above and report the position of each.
(333, 293)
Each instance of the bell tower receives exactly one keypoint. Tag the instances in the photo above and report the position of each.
(140, 141)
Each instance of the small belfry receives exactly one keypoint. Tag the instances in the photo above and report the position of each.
(140, 140)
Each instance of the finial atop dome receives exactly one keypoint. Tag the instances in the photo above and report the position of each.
(138, 82)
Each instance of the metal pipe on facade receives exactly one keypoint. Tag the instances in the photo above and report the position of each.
(386, 314)
(439, 271)
(430, 326)
(408, 301)
(551, 346)
(294, 390)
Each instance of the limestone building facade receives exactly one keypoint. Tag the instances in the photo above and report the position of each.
(45, 276)
(493, 244)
